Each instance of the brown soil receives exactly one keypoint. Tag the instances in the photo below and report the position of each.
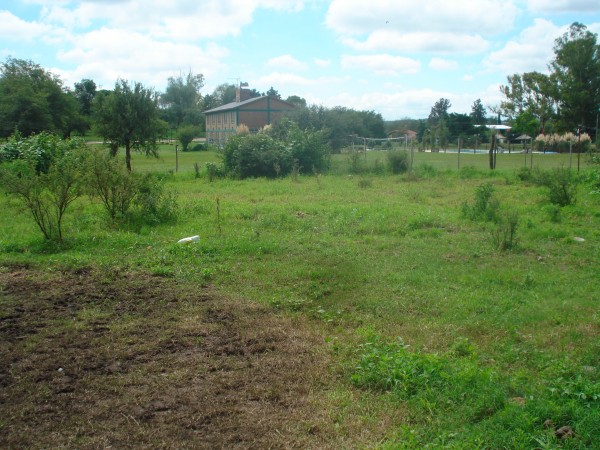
(122, 360)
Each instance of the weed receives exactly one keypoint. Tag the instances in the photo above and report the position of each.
(365, 183)
(428, 379)
(426, 170)
(485, 207)
(398, 161)
(553, 212)
(213, 171)
(504, 232)
(562, 187)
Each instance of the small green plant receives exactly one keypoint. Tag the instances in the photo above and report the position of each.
(485, 207)
(108, 179)
(562, 187)
(594, 180)
(425, 170)
(504, 232)
(213, 171)
(153, 203)
(296, 167)
(197, 170)
(398, 161)
(554, 213)
(439, 382)
(356, 160)
(365, 183)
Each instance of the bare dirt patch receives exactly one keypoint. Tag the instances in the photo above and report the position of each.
(122, 359)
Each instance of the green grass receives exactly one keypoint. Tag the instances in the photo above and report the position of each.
(493, 342)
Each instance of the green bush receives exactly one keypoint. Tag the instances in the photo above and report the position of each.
(562, 187)
(153, 204)
(186, 135)
(485, 207)
(594, 180)
(44, 173)
(307, 147)
(200, 147)
(213, 171)
(256, 155)
(108, 179)
(398, 161)
(504, 234)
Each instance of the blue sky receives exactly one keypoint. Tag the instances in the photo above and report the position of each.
(396, 57)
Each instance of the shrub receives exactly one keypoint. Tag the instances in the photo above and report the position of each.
(213, 171)
(485, 206)
(153, 204)
(108, 179)
(200, 147)
(186, 135)
(356, 161)
(44, 172)
(425, 170)
(504, 234)
(594, 180)
(562, 187)
(398, 161)
(256, 155)
(308, 147)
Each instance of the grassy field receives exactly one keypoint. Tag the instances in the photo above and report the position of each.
(413, 328)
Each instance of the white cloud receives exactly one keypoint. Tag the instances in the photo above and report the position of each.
(419, 41)
(485, 17)
(184, 20)
(533, 50)
(288, 80)
(385, 65)
(322, 62)
(442, 64)
(107, 54)
(564, 6)
(287, 62)
(16, 29)
(392, 104)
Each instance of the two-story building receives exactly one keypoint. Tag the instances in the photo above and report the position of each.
(255, 113)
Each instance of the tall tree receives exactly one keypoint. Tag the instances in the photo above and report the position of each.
(478, 113)
(460, 125)
(128, 117)
(33, 100)
(272, 92)
(532, 93)
(182, 100)
(85, 91)
(576, 67)
(439, 111)
(296, 101)
(224, 93)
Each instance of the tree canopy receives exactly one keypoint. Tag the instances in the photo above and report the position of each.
(565, 99)
(33, 99)
(128, 117)
(182, 100)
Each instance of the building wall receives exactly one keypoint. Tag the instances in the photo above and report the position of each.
(220, 125)
(255, 115)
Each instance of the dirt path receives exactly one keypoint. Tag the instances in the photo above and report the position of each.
(122, 360)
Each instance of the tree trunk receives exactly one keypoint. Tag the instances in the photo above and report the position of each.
(128, 156)
(492, 150)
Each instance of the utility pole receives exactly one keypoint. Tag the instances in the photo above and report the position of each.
(579, 146)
